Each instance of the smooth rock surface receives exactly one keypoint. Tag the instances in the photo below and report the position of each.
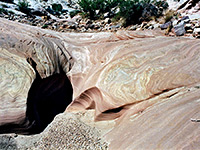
(141, 87)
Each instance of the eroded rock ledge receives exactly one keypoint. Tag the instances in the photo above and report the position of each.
(138, 90)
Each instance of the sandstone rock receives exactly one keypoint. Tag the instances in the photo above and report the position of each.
(189, 8)
(156, 26)
(15, 84)
(90, 26)
(144, 25)
(188, 28)
(197, 23)
(115, 27)
(141, 80)
(189, 31)
(134, 27)
(196, 32)
(107, 21)
(106, 15)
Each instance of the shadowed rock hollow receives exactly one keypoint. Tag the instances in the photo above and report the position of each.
(140, 86)
(32, 78)
(53, 93)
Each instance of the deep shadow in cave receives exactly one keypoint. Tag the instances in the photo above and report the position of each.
(46, 98)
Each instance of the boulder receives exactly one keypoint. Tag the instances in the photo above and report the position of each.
(107, 21)
(179, 29)
(165, 25)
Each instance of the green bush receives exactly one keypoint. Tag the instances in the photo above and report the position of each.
(3, 11)
(148, 11)
(23, 6)
(160, 4)
(57, 7)
(132, 11)
(94, 9)
(87, 8)
(136, 11)
(73, 13)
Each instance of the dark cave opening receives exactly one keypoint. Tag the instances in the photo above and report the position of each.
(46, 98)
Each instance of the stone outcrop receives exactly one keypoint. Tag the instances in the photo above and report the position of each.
(22, 46)
(133, 90)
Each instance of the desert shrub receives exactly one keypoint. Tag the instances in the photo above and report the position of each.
(94, 9)
(44, 26)
(136, 11)
(23, 6)
(132, 11)
(148, 10)
(73, 13)
(169, 15)
(110, 5)
(57, 7)
(87, 8)
(160, 4)
(3, 11)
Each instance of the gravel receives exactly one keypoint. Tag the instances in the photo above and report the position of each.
(68, 132)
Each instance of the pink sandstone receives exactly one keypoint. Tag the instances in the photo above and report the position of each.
(145, 83)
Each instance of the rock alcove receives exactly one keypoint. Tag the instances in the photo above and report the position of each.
(47, 97)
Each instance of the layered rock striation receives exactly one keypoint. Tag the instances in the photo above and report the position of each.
(27, 55)
(136, 90)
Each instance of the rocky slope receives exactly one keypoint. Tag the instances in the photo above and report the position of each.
(182, 18)
(131, 90)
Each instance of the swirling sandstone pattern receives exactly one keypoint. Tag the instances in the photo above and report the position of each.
(147, 82)
(18, 45)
